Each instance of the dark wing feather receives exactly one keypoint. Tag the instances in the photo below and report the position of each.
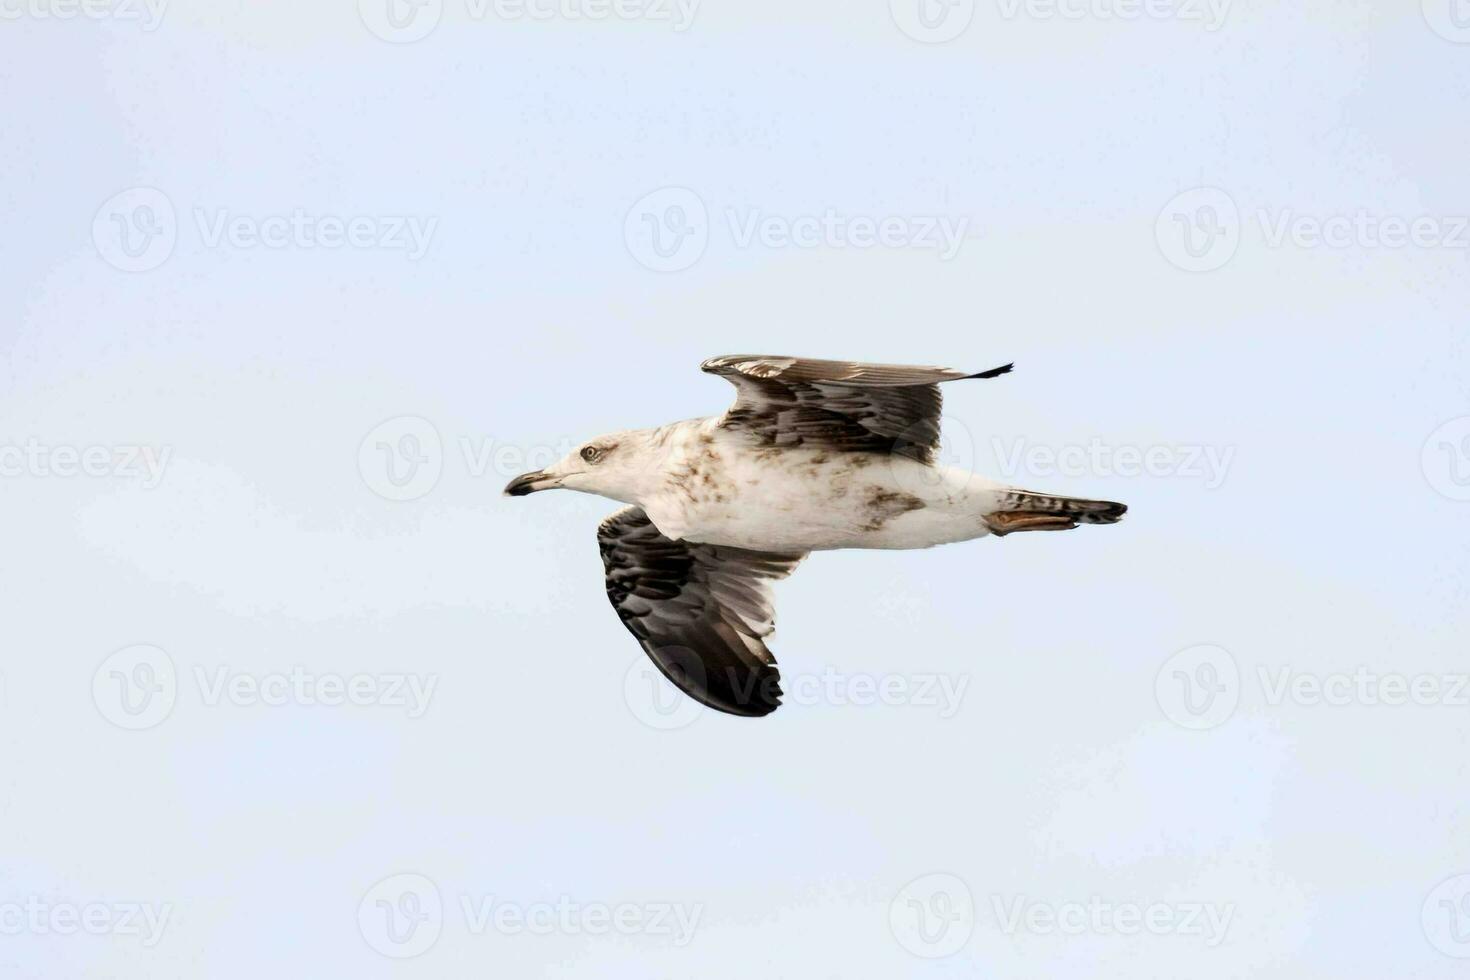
(701, 612)
(841, 405)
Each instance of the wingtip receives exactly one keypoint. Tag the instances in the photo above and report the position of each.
(996, 372)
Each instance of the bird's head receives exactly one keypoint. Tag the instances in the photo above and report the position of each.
(617, 465)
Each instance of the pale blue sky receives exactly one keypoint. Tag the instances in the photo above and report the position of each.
(1333, 541)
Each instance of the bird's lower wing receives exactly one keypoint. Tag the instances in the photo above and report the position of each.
(701, 612)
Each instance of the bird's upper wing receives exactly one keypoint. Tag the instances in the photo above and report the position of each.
(842, 405)
(700, 611)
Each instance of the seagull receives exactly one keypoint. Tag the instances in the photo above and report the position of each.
(814, 455)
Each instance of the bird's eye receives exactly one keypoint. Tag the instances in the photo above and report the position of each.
(591, 453)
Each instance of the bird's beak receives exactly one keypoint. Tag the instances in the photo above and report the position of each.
(530, 483)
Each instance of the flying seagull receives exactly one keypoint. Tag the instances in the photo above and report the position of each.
(813, 455)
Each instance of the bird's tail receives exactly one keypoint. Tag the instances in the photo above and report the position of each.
(1021, 510)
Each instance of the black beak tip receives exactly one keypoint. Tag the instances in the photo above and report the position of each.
(523, 484)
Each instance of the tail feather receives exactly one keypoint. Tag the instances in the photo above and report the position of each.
(1021, 510)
